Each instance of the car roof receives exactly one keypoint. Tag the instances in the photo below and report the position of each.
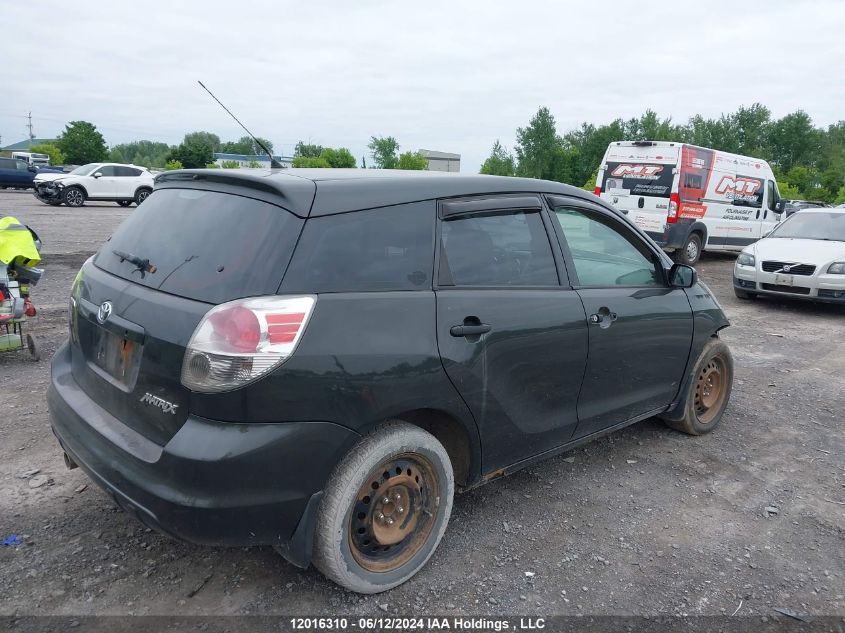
(315, 192)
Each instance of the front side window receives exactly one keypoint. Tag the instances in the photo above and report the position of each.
(105, 171)
(510, 249)
(22, 165)
(391, 248)
(771, 195)
(604, 252)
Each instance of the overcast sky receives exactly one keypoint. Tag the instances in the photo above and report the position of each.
(451, 76)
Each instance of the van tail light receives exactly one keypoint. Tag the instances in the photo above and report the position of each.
(674, 202)
(597, 191)
(240, 341)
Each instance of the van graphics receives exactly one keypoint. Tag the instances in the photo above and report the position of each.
(741, 188)
(639, 179)
(692, 210)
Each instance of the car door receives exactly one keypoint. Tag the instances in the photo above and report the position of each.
(104, 185)
(512, 337)
(640, 329)
(126, 181)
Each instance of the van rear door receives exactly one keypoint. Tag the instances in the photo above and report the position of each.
(638, 181)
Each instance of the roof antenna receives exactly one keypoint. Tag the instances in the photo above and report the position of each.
(274, 164)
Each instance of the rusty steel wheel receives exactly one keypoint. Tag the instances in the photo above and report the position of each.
(392, 517)
(384, 509)
(710, 389)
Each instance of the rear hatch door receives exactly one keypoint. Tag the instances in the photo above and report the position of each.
(137, 302)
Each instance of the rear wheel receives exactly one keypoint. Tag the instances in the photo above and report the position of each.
(141, 195)
(690, 253)
(708, 391)
(384, 509)
(73, 197)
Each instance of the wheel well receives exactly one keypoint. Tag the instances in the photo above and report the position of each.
(451, 433)
(78, 186)
(702, 232)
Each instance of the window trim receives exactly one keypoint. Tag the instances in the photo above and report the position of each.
(485, 205)
(581, 205)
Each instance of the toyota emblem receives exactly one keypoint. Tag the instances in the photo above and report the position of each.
(104, 312)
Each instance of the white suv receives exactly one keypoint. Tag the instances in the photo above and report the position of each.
(112, 182)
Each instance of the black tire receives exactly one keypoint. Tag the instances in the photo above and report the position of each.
(141, 195)
(354, 545)
(690, 252)
(744, 294)
(74, 196)
(33, 348)
(125, 203)
(705, 406)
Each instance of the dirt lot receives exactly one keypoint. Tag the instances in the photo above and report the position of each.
(647, 521)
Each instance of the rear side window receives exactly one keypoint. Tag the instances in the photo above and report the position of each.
(205, 245)
(7, 163)
(380, 249)
(126, 172)
(510, 249)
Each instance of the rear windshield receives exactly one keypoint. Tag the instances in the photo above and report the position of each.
(639, 178)
(204, 245)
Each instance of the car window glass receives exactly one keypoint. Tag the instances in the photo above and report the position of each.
(127, 172)
(6, 163)
(21, 165)
(771, 198)
(105, 170)
(510, 249)
(391, 248)
(604, 252)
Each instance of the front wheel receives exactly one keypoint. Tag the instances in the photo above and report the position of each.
(73, 197)
(124, 203)
(708, 391)
(384, 509)
(690, 253)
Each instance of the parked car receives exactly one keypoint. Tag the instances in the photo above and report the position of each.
(690, 199)
(791, 206)
(112, 182)
(318, 359)
(16, 174)
(803, 258)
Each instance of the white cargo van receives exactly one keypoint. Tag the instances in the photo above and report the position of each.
(688, 198)
(33, 158)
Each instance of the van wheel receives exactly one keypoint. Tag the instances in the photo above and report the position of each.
(744, 294)
(73, 197)
(384, 509)
(690, 253)
(708, 391)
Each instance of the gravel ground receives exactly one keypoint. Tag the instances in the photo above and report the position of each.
(646, 521)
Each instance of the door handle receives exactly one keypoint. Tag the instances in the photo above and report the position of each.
(470, 330)
(603, 317)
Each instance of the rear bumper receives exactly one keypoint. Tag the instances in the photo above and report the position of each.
(213, 483)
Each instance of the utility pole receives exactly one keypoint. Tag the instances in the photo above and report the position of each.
(29, 125)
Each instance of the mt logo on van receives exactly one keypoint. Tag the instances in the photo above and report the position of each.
(738, 186)
(648, 172)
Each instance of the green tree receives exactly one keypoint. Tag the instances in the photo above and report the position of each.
(254, 164)
(194, 151)
(338, 158)
(310, 161)
(794, 141)
(145, 153)
(172, 164)
(55, 154)
(307, 150)
(840, 196)
(207, 138)
(246, 145)
(499, 163)
(537, 146)
(82, 143)
(230, 164)
(384, 150)
(412, 160)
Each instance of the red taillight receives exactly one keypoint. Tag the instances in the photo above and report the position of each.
(239, 341)
(597, 191)
(282, 328)
(238, 327)
(674, 203)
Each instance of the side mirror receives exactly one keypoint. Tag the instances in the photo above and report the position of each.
(682, 276)
(33, 169)
(98, 175)
(779, 205)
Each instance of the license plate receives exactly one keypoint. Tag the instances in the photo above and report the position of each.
(116, 355)
(783, 280)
